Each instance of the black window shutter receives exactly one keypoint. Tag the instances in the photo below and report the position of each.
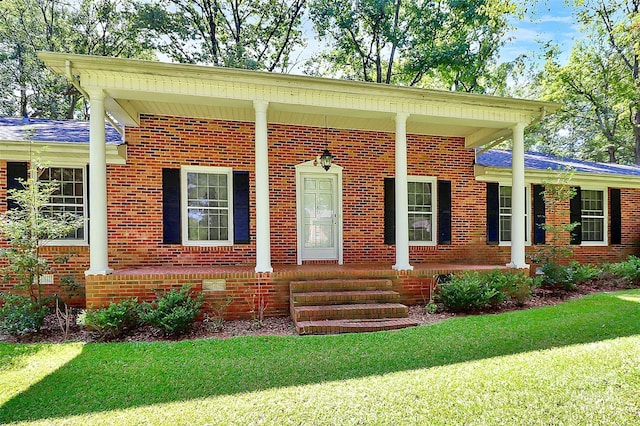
(575, 215)
(444, 212)
(389, 210)
(539, 215)
(15, 171)
(616, 216)
(171, 206)
(241, 208)
(493, 213)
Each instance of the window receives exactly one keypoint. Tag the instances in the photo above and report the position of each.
(505, 210)
(593, 216)
(69, 197)
(421, 204)
(207, 218)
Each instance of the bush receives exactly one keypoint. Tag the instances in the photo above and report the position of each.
(19, 315)
(467, 292)
(567, 276)
(513, 285)
(113, 321)
(582, 273)
(173, 311)
(629, 269)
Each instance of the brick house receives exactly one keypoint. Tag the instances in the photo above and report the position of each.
(219, 183)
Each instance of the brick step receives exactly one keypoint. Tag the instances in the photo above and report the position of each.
(339, 285)
(350, 311)
(344, 297)
(353, 326)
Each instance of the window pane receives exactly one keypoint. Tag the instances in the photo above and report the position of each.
(592, 215)
(420, 211)
(67, 199)
(207, 201)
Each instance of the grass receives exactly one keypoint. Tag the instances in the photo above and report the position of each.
(574, 363)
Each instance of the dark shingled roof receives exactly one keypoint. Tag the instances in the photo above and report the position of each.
(46, 130)
(539, 161)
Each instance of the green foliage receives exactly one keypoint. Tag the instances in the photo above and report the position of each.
(113, 321)
(251, 34)
(629, 269)
(104, 27)
(598, 86)
(472, 291)
(449, 44)
(173, 311)
(568, 276)
(19, 315)
(514, 285)
(468, 292)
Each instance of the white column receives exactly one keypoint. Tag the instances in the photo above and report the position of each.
(402, 198)
(98, 248)
(518, 199)
(263, 224)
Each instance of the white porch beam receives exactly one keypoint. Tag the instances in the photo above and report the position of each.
(518, 201)
(402, 198)
(98, 246)
(263, 224)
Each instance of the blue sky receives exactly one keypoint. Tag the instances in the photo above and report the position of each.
(550, 20)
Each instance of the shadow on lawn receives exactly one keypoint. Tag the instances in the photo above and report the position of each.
(123, 375)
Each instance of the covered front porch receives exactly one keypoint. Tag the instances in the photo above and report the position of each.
(247, 293)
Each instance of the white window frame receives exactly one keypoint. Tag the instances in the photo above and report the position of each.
(604, 217)
(434, 208)
(527, 215)
(184, 171)
(85, 214)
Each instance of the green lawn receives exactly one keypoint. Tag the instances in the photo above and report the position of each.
(575, 363)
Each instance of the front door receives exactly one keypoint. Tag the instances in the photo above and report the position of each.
(319, 217)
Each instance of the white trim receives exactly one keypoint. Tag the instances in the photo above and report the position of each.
(434, 209)
(70, 153)
(184, 170)
(85, 218)
(503, 174)
(312, 168)
(605, 219)
(527, 211)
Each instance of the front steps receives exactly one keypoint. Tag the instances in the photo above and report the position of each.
(346, 306)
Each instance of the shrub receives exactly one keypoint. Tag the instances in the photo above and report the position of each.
(582, 273)
(173, 311)
(557, 275)
(113, 321)
(567, 276)
(514, 285)
(629, 269)
(467, 292)
(19, 315)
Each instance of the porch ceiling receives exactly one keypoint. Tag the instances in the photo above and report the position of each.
(135, 87)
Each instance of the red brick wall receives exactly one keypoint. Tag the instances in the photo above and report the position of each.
(135, 195)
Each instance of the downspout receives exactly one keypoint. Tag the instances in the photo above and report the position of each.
(76, 83)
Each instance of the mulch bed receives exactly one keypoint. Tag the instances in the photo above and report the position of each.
(283, 326)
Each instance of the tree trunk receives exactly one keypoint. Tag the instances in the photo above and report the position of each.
(636, 136)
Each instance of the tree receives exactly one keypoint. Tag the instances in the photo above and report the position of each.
(104, 27)
(600, 85)
(449, 44)
(252, 34)
(28, 227)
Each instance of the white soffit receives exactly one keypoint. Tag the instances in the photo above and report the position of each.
(136, 87)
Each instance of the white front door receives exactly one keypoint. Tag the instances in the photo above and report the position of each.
(319, 216)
